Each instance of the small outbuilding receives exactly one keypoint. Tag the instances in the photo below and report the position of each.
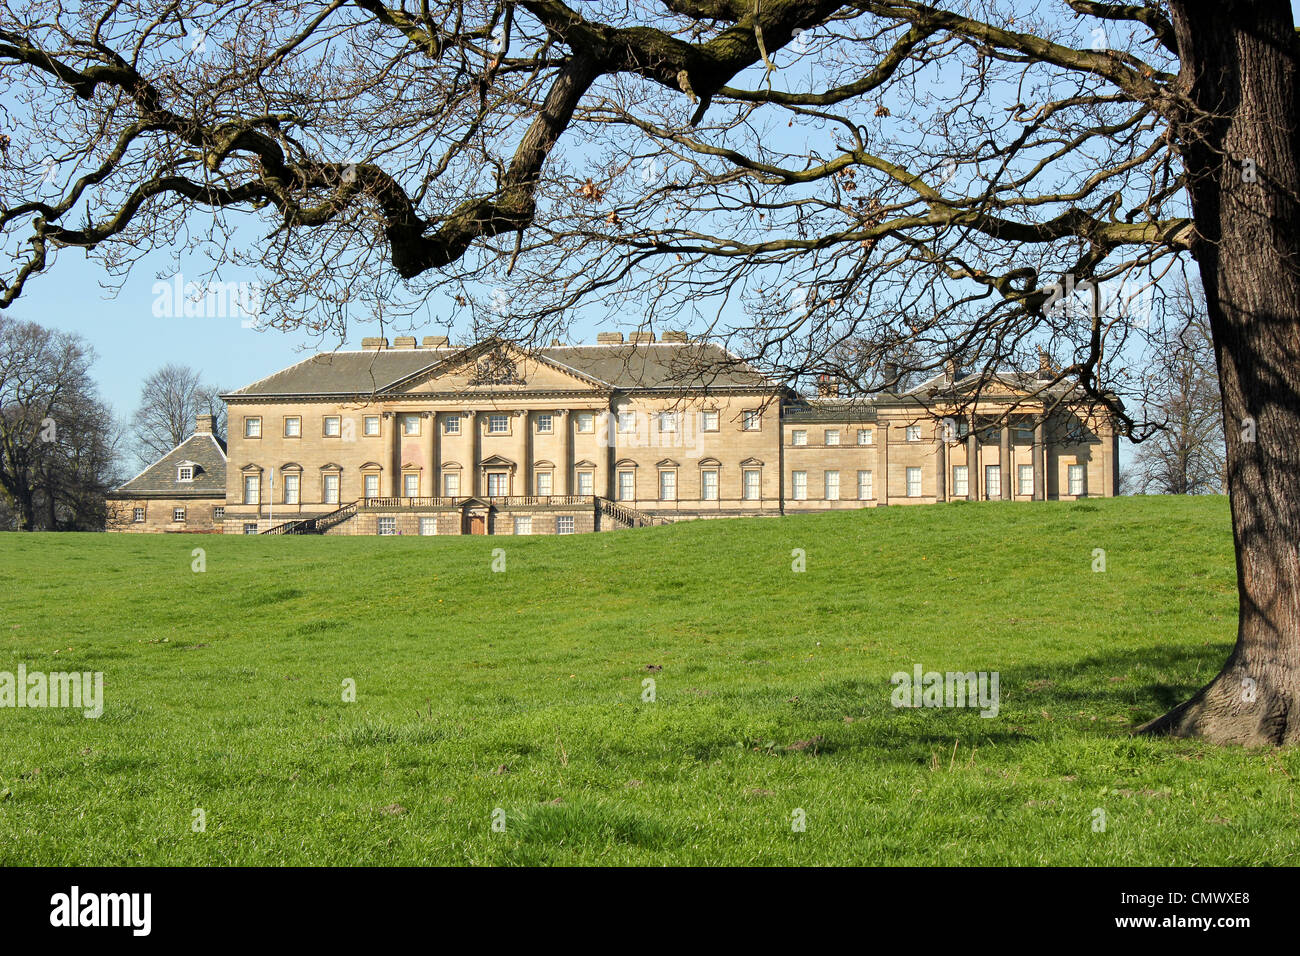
(184, 491)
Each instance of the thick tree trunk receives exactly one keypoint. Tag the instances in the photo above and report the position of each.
(25, 506)
(1241, 153)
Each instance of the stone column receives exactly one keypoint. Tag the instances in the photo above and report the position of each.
(475, 445)
(1004, 460)
(611, 433)
(435, 455)
(564, 420)
(1040, 477)
(525, 419)
(883, 494)
(972, 462)
(941, 463)
(394, 451)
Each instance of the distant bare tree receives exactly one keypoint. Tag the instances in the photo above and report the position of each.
(56, 437)
(80, 467)
(1186, 456)
(170, 399)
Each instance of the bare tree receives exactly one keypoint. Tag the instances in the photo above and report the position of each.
(170, 399)
(1186, 455)
(786, 175)
(56, 437)
(79, 468)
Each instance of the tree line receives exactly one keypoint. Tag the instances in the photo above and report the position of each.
(62, 450)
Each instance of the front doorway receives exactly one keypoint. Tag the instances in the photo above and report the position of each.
(476, 524)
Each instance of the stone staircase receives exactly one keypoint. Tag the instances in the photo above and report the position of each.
(317, 525)
(627, 517)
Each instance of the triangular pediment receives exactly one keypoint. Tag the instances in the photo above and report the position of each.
(496, 461)
(997, 389)
(496, 367)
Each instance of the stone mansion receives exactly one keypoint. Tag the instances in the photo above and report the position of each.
(433, 439)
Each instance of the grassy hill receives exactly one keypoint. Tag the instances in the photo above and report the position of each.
(522, 691)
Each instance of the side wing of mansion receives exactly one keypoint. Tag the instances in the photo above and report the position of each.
(493, 439)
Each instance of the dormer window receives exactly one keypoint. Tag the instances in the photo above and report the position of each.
(185, 473)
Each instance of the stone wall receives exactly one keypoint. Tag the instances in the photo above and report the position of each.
(158, 515)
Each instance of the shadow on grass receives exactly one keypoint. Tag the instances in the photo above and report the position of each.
(1103, 696)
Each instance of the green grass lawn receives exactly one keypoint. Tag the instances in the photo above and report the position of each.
(522, 691)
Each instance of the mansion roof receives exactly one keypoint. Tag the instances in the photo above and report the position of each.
(623, 367)
(203, 452)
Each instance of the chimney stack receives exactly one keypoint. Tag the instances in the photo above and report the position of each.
(374, 344)
(609, 338)
(891, 373)
(828, 386)
(436, 341)
(641, 338)
(1044, 363)
(205, 424)
(954, 370)
(673, 336)
(404, 342)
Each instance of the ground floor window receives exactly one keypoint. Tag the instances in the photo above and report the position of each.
(1076, 478)
(709, 485)
(564, 524)
(428, 526)
(1026, 477)
(753, 484)
(667, 486)
(252, 489)
(451, 485)
(250, 527)
(864, 486)
(832, 486)
(388, 526)
(292, 484)
(496, 484)
(960, 480)
(371, 483)
(544, 483)
(524, 524)
(410, 486)
(218, 513)
(586, 483)
(914, 482)
(137, 514)
(331, 489)
(799, 485)
(992, 481)
(178, 514)
(626, 486)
